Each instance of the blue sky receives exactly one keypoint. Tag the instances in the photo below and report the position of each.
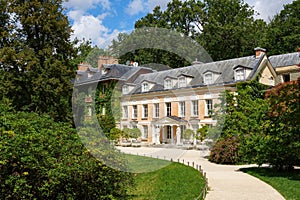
(102, 20)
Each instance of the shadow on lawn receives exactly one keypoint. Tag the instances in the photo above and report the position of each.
(271, 173)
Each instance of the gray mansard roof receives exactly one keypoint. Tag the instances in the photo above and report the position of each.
(116, 72)
(285, 60)
(224, 69)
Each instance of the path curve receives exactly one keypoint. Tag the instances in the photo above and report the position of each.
(225, 182)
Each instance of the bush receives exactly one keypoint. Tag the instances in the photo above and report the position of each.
(225, 151)
(42, 159)
(188, 134)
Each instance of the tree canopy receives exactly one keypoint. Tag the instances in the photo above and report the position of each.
(283, 32)
(35, 53)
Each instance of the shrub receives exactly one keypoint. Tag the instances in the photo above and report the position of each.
(42, 159)
(188, 134)
(225, 151)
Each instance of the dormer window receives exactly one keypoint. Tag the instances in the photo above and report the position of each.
(125, 89)
(208, 78)
(145, 87)
(168, 84)
(181, 82)
(240, 74)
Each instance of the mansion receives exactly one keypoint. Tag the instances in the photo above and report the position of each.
(164, 103)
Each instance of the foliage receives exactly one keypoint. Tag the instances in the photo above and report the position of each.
(126, 133)
(229, 29)
(35, 54)
(242, 115)
(285, 182)
(136, 133)
(202, 132)
(175, 181)
(103, 100)
(283, 33)
(42, 159)
(282, 139)
(225, 151)
(225, 28)
(132, 133)
(115, 133)
(188, 134)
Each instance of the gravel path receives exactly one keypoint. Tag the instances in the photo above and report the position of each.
(225, 182)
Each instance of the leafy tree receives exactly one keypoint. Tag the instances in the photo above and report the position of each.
(35, 57)
(136, 133)
(281, 147)
(202, 132)
(43, 159)
(127, 133)
(242, 116)
(229, 29)
(115, 133)
(104, 99)
(132, 133)
(188, 134)
(283, 34)
(225, 28)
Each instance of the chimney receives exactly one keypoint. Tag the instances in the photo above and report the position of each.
(106, 60)
(259, 51)
(83, 66)
(196, 62)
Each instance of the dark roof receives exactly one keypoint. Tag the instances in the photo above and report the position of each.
(226, 68)
(285, 60)
(115, 72)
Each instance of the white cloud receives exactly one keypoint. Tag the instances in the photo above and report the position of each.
(267, 8)
(151, 4)
(92, 28)
(135, 7)
(85, 5)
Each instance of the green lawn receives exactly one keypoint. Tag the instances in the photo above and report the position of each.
(175, 181)
(142, 164)
(287, 183)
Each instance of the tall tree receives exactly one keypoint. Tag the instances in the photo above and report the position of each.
(35, 57)
(283, 35)
(229, 29)
(225, 28)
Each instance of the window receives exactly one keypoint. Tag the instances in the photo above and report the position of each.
(208, 78)
(169, 132)
(145, 111)
(156, 110)
(240, 74)
(134, 112)
(125, 112)
(125, 89)
(168, 109)
(181, 109)
(168, 84)
(145, 87)
(182, 82)
(195, 108)
(286, 77)
(208, 107)
(145, 131)
(271, 79)
(182, 128)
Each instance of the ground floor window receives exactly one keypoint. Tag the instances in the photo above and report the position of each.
(145, 131)
(182, 128)
(169, 132)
